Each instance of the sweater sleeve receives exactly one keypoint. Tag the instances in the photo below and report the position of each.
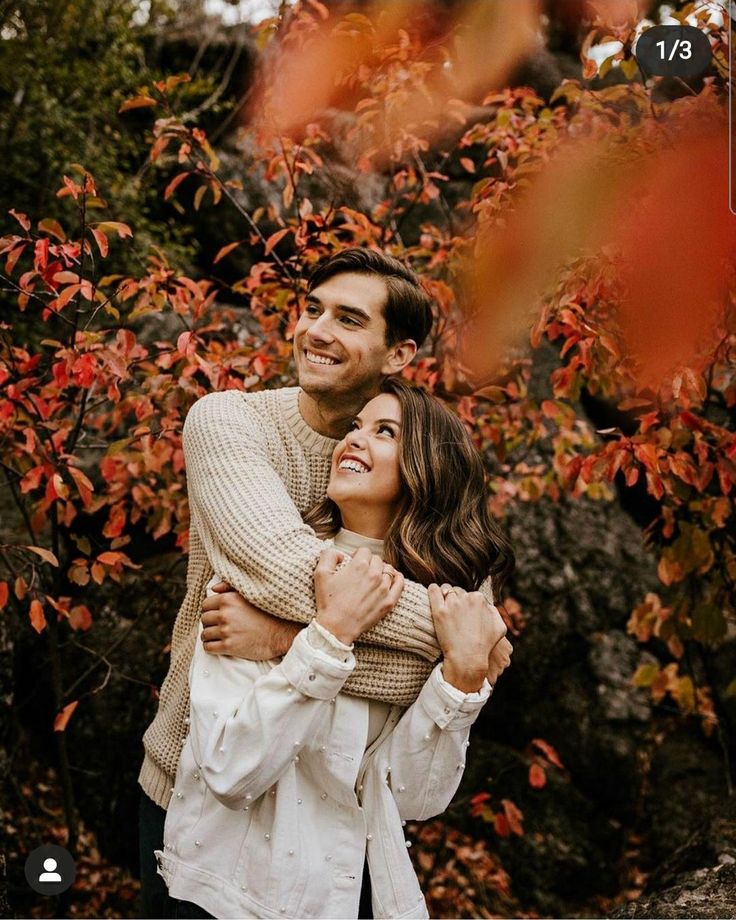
(253, 533)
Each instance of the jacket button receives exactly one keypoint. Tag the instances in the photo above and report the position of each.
(369, 837)
(323, 796)
(267, 836)
(311, 676)
(197, 843)
(291, 852)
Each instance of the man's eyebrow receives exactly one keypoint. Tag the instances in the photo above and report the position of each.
(354, 311)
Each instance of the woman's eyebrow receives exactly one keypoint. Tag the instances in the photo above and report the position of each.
(380, 421)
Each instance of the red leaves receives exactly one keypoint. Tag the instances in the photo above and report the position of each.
(101, 240)
(21, 218)
(4, 593)
(509, 821)
(84, 369)
(537, 776)
(186, 344)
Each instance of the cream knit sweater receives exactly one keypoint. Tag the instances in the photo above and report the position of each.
(253, 468)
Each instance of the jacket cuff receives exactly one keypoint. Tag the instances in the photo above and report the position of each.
(322, 639)
(448, 707)
(313, 671)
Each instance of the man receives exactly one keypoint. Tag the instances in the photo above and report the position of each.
(256, 462)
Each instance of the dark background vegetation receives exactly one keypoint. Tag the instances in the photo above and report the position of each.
(638, 818)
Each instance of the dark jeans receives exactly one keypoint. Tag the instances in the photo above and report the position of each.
(155, 900)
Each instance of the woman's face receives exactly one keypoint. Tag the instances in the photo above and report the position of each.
(365, 464)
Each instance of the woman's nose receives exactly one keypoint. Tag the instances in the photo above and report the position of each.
(354, 438)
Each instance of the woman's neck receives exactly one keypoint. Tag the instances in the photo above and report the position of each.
(368, 521)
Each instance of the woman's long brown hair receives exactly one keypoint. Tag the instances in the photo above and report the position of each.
(443, 530)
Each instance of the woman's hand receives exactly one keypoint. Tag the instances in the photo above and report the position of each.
(468, 629)
(356, 597)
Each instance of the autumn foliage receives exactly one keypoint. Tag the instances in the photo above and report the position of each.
(475, 189)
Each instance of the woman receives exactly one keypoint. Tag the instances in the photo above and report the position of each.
(286, 786)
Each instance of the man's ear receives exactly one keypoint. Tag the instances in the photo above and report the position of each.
(401, 354)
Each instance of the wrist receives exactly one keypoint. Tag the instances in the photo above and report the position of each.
(339, 629)
(286, 635)
(467, 679)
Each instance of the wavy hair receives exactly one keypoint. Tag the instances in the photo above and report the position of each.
(443, 530)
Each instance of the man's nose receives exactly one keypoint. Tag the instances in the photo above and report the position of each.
(321, 329)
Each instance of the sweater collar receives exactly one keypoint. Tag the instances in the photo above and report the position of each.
(311, 440)
(350, 541)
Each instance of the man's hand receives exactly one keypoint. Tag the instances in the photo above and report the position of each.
(499, 659)
(233, 626)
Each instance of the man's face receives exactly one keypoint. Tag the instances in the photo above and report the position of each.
(340, 339)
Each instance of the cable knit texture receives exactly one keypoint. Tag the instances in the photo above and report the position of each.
(254, 467)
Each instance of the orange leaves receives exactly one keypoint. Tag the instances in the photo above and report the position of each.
(386, 64)
(114, 226)
(62, 718)
(681, 688)
(4, 594)
(101, 240)
(37, 617)
(137, 102)
(225, 250)
(174, 184)
(272, 241)
(45, 554)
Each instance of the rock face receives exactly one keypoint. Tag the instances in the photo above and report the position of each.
(580, 570)
(699, 878)
(630, 768)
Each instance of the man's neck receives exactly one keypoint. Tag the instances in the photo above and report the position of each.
(328, 418)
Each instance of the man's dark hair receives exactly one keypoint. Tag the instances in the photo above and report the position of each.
(408, 309)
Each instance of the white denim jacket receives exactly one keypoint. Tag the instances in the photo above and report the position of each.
(276, 797)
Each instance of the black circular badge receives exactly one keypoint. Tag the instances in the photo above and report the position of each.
(50, 869)
(673, 51)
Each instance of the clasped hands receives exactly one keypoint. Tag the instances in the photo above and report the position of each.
(470, 630)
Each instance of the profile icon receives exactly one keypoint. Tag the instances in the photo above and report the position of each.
(50, 874)
(50, 869)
